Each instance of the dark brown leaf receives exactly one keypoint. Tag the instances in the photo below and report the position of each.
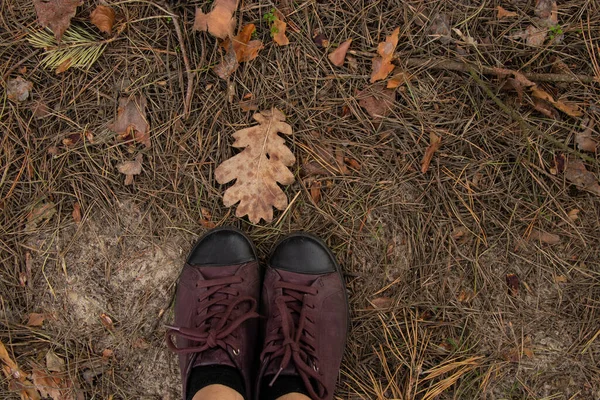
(544, 237)
(56, 14)
(512, 281)
(576, 173)
(36, 319)
(77, 212)
(320, 40)
(131, 122)
(377, 101)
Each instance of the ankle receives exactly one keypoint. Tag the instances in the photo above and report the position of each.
(219, 392)
(294, 396)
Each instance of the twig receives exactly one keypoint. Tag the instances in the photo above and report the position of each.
(451, 65)
(524, 124)
(187, 102)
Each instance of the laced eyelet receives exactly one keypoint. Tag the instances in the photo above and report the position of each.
(236, 352)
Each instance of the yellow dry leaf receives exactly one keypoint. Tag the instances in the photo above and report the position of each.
(504, 13)
(338, 56)
(259, 168)
(104, 18)
(382, 65)
(220, 21)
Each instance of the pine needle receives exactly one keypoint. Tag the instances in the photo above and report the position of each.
(77, 49)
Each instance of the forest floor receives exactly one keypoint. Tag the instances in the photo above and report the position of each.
(479, 278)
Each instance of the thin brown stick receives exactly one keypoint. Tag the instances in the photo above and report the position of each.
(451, 65)
(187, 102)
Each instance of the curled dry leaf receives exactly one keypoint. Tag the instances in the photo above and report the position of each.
(435, 142)
(398, 79)
(584, 139)
(382, 302)
(278, 30)
(104, 18)
(131, 168)
(545, 108)
(56, 14)
(547, 10)
(259, 168)
(228, 64)
(131, 122)
(577, 174)
(18, 89)
(220, 21)
(382, 65)
(54, 363)
(440, 28)
(504, 13)
(107, 322)
(544, 237)
(52, 386)
(315, 191)
(570, 109)
(338, 56)
(377, 101)
(534, 36)
(17, 378)
(573, 214)
(246, 49)
(36, 319)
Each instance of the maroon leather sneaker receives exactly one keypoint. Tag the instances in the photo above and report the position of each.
(305, 302)
(215, 307)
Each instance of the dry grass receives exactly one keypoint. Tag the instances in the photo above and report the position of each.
(393, 228)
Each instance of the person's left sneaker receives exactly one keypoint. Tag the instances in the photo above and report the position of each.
(216, 326)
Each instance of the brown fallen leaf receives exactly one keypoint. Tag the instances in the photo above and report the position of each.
(573, 214)
(52, 386)
(72, 139)
(584, 139)
(534, 36)
(320, 40)
(381, 302)
(249, 105)
(107, 322)
(377, 101)
(440, 28)
(56, 14)
(315, 191)
(104, 18)
(544, 237)
(246, 49)
(338, 56)
(77, 212)
(545, 108)
(570, 109)
(131, 122)
(398, 79)
(504, 13)
(36, 319)
(220, 21)
(228, 64)
(131, 168)
(54, 363)
(465, 296)
(39, 109)
(577, 174)
(41, 212)
(17, 89)
(512, 281)
(17, 378)
(278, 31)
(435, 142)
(206, 220)
(547, 10)
(63, 66)
(382, 65)
(258, 168)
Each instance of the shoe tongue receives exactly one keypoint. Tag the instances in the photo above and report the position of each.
(296, 278)
(212, 357)
(218, 271)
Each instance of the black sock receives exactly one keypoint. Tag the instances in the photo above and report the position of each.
(283, 385)
(203, 376)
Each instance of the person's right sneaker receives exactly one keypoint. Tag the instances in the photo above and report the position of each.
(306, 308)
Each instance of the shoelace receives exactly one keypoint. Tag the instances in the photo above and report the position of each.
(295, 342)
(226, 299)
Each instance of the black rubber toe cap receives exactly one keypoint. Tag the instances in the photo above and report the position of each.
(222, 246)
(304, 254)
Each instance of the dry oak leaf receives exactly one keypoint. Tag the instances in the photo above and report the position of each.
(18, 89)
(377, 101)
(131, 119)
(56, 14)
(36, 319)
(576, 173)
(338, 56)
(131, 168)
(246, 49)
(382, 65)
(278, 29)
(219, 22)
(504, 13)
(258, 168)
(104, 18)
(544, 237)
(435, 142)
(52, 386)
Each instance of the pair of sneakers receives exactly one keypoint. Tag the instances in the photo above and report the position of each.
(281, 333)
